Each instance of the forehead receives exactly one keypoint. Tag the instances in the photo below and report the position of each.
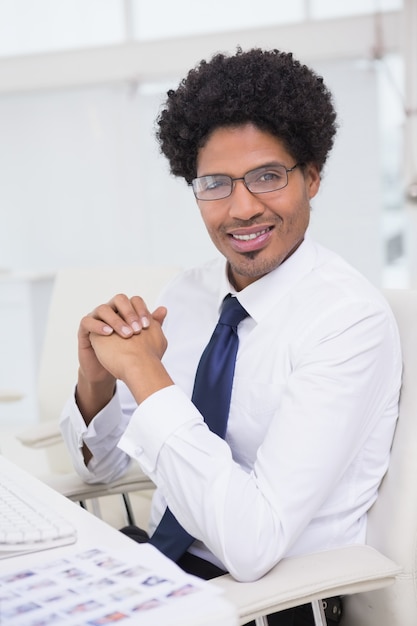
(238, 149)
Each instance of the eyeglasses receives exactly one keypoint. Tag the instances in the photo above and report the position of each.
(261, 180)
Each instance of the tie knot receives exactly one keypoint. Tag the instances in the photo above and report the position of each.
(232, 312)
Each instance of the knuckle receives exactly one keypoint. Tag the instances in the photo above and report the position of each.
(138, 302)
(119, 300)
(99, 311)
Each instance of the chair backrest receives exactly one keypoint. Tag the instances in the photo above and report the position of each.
(392, 526)
(76, 292)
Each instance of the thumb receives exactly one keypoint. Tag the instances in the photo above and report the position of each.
(160, 314)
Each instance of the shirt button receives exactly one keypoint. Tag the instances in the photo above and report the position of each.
(138, 451)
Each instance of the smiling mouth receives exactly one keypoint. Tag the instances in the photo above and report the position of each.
(251, 236)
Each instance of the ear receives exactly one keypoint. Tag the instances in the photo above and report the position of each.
(312, 178)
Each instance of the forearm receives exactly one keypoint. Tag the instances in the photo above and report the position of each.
(91, 398)
(101, 437)
(146, 378)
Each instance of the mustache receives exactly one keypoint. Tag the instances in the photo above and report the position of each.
(270, 222)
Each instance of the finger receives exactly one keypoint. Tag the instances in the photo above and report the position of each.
(118, 315)
(142, 310)
(122, 316)
(88, 325)
(160, 314)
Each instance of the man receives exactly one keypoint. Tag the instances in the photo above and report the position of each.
(317, 373)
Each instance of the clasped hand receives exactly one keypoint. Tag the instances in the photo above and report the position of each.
(119, 339)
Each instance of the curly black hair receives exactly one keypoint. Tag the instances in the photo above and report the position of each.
(268, 88)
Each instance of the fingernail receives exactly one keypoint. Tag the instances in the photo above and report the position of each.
(136, 327)
(145, 322)
(126, 330)
(108, 330)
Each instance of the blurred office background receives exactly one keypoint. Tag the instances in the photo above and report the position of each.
(83, 183)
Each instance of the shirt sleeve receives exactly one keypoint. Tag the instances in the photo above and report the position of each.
(343, 380)
(100, 436)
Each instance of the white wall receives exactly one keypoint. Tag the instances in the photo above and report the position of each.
(347, 213)
(83, 183)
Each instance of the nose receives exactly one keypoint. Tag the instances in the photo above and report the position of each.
(243, 204)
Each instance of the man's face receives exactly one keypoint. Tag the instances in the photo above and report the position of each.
(255, 232)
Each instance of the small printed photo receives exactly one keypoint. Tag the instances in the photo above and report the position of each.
(53, 564)
(110, 618)
(46, 620)
(90, 554)
(16, 576)
(185, 590)
(102, 583)
(151, 581)
(83, 607)
(21, 609)
(108, 563)
(125, 592)
(74, 573)
(6, 594)
(133, 572)
(38, 583)
(58, 596)
(147, 605)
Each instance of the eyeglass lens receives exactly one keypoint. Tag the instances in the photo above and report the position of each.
(260, 180)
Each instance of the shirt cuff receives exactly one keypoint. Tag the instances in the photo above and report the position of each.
(155, 420)
(102, 431)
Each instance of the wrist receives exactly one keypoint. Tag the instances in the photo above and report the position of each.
(92, 397)
(146, 378)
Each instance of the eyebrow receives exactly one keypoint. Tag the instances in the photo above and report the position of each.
(260, 167)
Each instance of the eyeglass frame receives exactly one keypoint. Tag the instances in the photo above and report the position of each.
(243, 178)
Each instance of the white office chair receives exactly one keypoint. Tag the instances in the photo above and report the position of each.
(77, 291)
(379, 579)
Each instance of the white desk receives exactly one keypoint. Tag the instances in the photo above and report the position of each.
(205, 607)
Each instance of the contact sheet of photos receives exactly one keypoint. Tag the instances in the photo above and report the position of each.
(91, 588)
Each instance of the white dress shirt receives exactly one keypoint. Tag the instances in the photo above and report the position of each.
(313, 410)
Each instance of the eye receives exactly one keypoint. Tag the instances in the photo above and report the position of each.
(266, 179)
(215, 182)
(272, 175)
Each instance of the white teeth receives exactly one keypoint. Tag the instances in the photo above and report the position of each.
(252, 236)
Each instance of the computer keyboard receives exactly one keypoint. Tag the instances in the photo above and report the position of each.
(27, 523)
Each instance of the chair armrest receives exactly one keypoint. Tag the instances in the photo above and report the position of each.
(300, 580)
(73, 487)
(43, 435)
(11, 395)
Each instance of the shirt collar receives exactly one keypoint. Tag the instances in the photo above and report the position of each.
(259, 297)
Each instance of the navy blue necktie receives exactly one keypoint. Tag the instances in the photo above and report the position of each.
(211, 395)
